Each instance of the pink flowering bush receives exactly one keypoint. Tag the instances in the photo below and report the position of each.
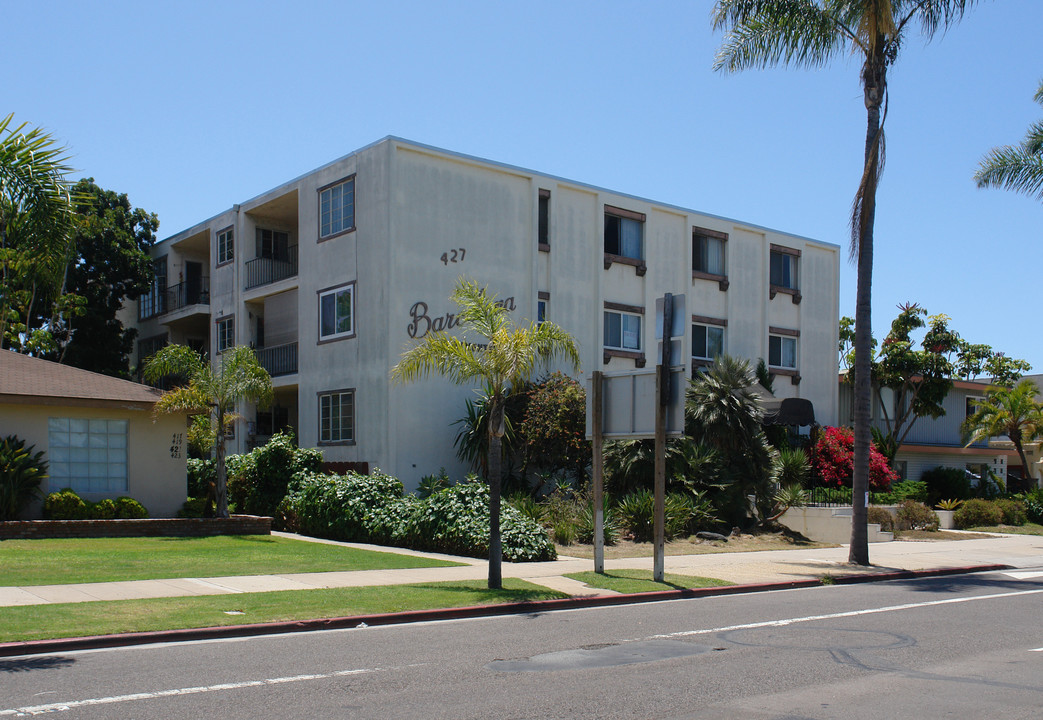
(832, 461)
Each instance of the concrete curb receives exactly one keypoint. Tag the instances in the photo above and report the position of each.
(41, 647)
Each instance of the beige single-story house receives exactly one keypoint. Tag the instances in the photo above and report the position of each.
(98, 433)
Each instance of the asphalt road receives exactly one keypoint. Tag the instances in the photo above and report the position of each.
(968, 646)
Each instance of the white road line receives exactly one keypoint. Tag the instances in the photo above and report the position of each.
(1036, 650)
(62, 706)
(850, 613)
(1024, 574)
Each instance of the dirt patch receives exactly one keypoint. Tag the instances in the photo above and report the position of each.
(697, 546)
(936, 535)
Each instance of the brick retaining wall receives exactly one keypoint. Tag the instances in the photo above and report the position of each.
(159, 527)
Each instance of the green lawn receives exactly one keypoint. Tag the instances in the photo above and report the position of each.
(80, 560)
(638, 581)
(39, 622)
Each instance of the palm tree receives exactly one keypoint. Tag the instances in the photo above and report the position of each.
(35, 216)
(504, 361)
(1012, 412)
(1017, 168)
(810, 33)
(211, 392)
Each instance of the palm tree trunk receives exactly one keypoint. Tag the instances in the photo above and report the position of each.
(874, 85)
(221, 490)
(495, 490)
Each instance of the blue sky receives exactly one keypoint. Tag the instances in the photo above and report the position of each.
(190, 107)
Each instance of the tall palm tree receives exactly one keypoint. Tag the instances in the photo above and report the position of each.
(811, 33)
(1011, 412)
(212, 392)
(35, 218)
(1018, 168)
(503, 361)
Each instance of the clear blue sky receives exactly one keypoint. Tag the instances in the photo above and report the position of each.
(190, 107)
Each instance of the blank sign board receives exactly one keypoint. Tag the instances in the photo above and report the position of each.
(629, 404)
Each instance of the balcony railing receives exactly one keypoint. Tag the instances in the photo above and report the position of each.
(188, 293)
(278, 360)
(266, 270)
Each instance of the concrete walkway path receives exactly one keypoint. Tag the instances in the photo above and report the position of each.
(742, 568)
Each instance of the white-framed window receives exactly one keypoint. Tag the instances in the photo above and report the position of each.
(708, 252)
(337, 208)
(337, 312)
(225, 333)
(784, 269)
(624, 234)
(87, 454)
(622, 331)
(225, 246)
(337, 416)
(707, 341)
(782, 352)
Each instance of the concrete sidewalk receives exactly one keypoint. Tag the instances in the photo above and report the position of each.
(775, 566)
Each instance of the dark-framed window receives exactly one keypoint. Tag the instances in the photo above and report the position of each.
(784, 268)
(624, 233)
(337, 417)
(708, 256)
(337, 312)
(707, 341)
(337, 208)
(622, 330)
(782, 352)
(543, 230)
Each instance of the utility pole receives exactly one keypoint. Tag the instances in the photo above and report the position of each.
(662, 375)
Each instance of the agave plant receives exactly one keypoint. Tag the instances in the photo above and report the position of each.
(951, 504)
(21, 472)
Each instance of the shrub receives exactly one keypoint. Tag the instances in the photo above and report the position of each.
(351, 507)
(882, 517)
(103, 510)
(682, 511)
(127, 508)
(832, 460)
(193, 508)
(430, 484)
(258, 481)
(65, 505)
(977, 513)
(564, 532)
(1013, 511)
(585, 526)
(21, 472)
(901, 491)
(912, 515)
(554, 426)
(202, 477)
(1034, 505)
(943, 482)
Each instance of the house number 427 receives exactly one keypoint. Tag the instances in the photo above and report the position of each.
(454, 255)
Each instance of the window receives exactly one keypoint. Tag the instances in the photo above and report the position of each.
(337, 208)
(225, 333)
(337, 417)
(971, 405)
(543, 234)
(708, 252)
(88, 455)
(707, 341)
(273, 244)
(154, 302)
(541, 311)
(337, 312)
(623, 233)
(784, 267)
(782, 352)
(622, 331)
(225, 246)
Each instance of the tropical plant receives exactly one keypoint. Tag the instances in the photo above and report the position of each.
(497, 355)
(212, 392)
(430, 484)
(21, 472)
(35, 246)
(630, 465)
(472, 442)
(949, 504)
(811, 33)
(786, 497)
(1018, 168)
(1011, 412)
(832, 459)
(791, 467)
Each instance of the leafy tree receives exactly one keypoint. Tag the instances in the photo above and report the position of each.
(979, 359)
(554, 426)
(111, 263)
(35, 246)
(213, 392)
(1010, 412)
(502, 361)
(724, 413)
(811, 33)
(1018, 168)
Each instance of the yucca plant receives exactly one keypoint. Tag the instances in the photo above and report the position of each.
(21, 473)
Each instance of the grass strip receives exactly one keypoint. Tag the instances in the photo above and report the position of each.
(639, 581)
(80, 560)
(1028, 528)
(48, 622)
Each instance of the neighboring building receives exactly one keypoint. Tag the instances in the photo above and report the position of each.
(331, 276)
(97, 433)
(934, 442)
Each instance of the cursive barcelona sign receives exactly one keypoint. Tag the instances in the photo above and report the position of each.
(421, 323)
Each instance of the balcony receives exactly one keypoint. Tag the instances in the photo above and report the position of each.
(278, 360)
(186, 294)
(266, 270)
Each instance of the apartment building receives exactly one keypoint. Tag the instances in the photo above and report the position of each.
(331, 276)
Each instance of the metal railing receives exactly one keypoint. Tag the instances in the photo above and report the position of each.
(266, 270)
(278, 360)
(185, 294)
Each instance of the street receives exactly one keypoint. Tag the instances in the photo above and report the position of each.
(967, 646)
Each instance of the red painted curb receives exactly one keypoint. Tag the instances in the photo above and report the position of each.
(35, 647)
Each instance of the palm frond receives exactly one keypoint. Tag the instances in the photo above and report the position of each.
(764, 33)
(173, 361)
